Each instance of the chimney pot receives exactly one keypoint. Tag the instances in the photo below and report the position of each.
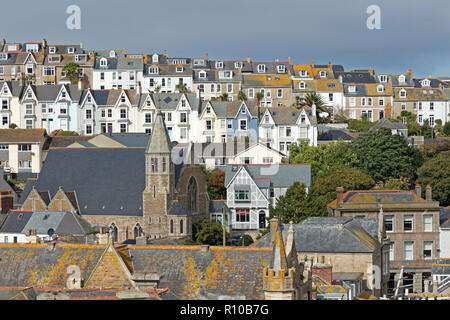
(340, 196)
(428, 194)
(204, 248)
(419, 190)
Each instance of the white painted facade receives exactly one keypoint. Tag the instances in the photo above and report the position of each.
(257, 154)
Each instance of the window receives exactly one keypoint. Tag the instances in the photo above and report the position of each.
(242, 195)
(4, 147)
(392, 251)
(183, 117)
(25, 164)
(5, 120)
(402, 93)
(29, 124)
(230, 88)
(408, 250)
(330, 97)
(88, 129)
(380, 88)
(431, 105)
(389, 223)
(381, 102)
(403, 106)
(179, 69)
(352, 89)
(29, 109)
(408, 223)
(280, 93)
(63, 108)
(428, 249)
(303, 73)
(201, 88)
(3, 56)
(154, 164)
(123, 113)
(103, 62)
(281, 69)
(302, 85)
(383, 78)
(267, 160)
(219, 64)
(148, 118)
(401, 79)
(243, 125)
(110, 113)
(323, 74)
(52, 50)
(431, 120)
(102, 76)
(24, 147)
(183, 133)
(208, 125)
(202, 74)
(261, 68)
(70, 50)
(420, 118)
(5, 105)
(229, 124)
(242, 215)
(88, 114)
(251, 93)
(427, 223)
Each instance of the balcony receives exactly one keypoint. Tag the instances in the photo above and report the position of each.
(244, 226)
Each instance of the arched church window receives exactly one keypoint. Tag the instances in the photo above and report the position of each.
(137, 230)
(192, 195)
(181, 226)
(171, 226)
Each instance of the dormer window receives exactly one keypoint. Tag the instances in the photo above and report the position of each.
(199, 62)
(63, 94)
(401, 79)
(70, 50)
(153, 70)
(122, 99)
(52, 50)
(54, 59)
(261, 68)
(323, 74)
(3, 56)
(80, 58)
(302, 85)
(208, 110)
(179, 69)
(12, 47)
(403, 93)
(155, 58)
(426, 83)
(238, 65)
(380, 88)
(103, 62)
(32, 47)
(383, 78)
(352, 89)
(303, 73)
(89, 99)
(202, 74)
(219, 64)
(281, 69)
(243, 111)
(112, 54)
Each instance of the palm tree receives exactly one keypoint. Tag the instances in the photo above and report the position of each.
(241, 96)
(224, 96)
(314, 98)
(181, 87)
(259, 97)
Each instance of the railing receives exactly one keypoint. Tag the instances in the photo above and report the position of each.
(444, 284)
(244, 226)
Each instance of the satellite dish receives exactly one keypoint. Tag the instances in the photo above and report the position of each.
(50, 232)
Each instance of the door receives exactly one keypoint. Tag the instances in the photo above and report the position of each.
(262, 220)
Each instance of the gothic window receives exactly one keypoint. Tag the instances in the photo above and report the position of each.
(171, 226)
(137, 231)
(114, 232)
(192, 194)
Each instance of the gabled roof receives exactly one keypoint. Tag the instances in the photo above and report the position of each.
(217, 206)
(328, 235)
(283, 115)
(385, 123)
(335, 134)
(15, 221)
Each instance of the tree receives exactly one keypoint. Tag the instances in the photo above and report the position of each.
(446, 129)
(325, 158)
(207, 232)
(13, 126)
(181, 87)
(313, 98)
(293, 206)
(323, 190)
(359, 125)
(383, 155)
(401, 183)
(72, 71)
(436, 173)
(216, 184)
(259, 96)
(245, 240)
(426, 130)
(411, 122)
(242, 96)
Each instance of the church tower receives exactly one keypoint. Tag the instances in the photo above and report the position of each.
(159, 180)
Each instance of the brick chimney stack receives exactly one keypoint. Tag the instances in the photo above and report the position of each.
(6, 201)
(340, 196)
(273, 223)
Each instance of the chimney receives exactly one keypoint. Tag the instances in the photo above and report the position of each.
(204, 248)
(80, 84)
(428, 195)
(44, 43)
(247, 59)
(340, 196)
(381, 233)
(165, 53)
(273, 228)
(277, 60)
(6, 201)
(289, 60)
(206, 56)
(102, 236)
(138, 89)
(340, 79)
(410, 73)
(81, 45)
(312, 63)
(3, 42)
(314, 110)
(329, 65)
(371, 71)
(419, 190)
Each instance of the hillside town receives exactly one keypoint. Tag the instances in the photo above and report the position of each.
(145, 176)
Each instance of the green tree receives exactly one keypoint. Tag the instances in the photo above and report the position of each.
(436, 173)
(207, 232)
(245, 240)
(401, 183)
(72, 71)
(314, 98)
(181, 87)
(359, 125)
(426, 130)
(446, 129)
(411, 122)
(224, 96)
(323, 190)
(242, 96)
(293, 206)
(259, 96)
(325, 158)
(13, 126)
(383, 155)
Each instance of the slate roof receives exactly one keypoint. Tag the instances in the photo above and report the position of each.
(159, 141)
(385, 123)
(62, 223)
(21, 135)
(120, 64)
(15, 87)
(15, 222)
(218, 205)
(286, 115)
(130, 140)
(177, 209)
(285, 176)
(328, 235)
(50, 93)
(170, 101)
(39, 266)
(355, 76)
(222, 271)
(62, 142)
(106, 181)
(444, 218)
(335, 134)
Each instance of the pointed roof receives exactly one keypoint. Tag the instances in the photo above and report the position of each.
(279, 261)
(159, 140)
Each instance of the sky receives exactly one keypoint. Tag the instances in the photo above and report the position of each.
(414, 33)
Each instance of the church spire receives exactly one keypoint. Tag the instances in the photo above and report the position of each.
(279, 261)
(159, 141)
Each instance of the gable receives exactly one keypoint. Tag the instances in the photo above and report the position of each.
(61, 202)
(34, 202)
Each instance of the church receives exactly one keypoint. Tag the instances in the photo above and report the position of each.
(132, 191)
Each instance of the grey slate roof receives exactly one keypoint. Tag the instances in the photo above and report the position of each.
(61, 223)
(385, 123)
(130, 140)
(335, 134)
(170, 101)
(328, 235)
(444, 218)
(136, 64)
(355, 76)
(15, 222)
(177, 209)
(285, 176)
(218, 205)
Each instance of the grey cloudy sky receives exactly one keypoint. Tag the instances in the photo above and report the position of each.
(414, 33)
